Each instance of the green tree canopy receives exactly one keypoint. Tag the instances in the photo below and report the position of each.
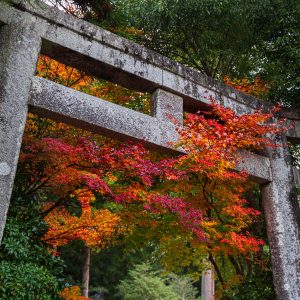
(231, 37)
(212, 36)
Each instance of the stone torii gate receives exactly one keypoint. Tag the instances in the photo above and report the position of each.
(26, 30)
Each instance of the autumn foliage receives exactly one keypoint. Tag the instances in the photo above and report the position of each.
(212, 142)
(71, 77)
(257, 87)
(72, 293)
(198, 195)
(96, 228)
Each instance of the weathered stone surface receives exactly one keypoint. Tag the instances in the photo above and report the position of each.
(19, 48)
(97, 115)
(5, 169)
(167, 106)
(81, 44)
(84, 111)
(257, 166)
(296, 173)
(294, 131)
(283, 224)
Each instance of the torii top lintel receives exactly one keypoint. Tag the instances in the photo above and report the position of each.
(100, 52)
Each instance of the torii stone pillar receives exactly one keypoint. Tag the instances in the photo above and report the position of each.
(282, 217)
(19, 49)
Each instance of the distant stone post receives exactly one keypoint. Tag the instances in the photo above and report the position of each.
(208, 284)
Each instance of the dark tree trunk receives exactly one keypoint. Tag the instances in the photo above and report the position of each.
(86, 272)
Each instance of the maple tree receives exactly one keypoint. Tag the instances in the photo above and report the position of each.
(211, 145)
(258, 87)
(72, 293)
(197, 196)
(210, 185)
(52, 153)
